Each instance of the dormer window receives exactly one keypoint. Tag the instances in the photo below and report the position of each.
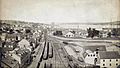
(96, 52)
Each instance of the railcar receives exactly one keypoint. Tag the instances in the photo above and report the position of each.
(50, 50)
(46, 49)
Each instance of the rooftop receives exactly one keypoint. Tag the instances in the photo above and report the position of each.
(109, 55)
(93, 48)
(22, 52)
(10, 43)
(9, 61)
(11, 35)
(9, 46)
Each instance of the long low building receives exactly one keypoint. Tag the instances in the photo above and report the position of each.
(109, 59)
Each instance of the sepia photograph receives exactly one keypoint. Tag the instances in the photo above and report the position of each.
(59, 33)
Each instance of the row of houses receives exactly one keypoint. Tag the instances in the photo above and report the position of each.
(84, 34)
(80, 29)
(20, 52)
(17, 46)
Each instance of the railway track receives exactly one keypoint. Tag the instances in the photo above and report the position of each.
(63, 64)
(51, 62)
(41, 55)
(59, 58)
(71, 64)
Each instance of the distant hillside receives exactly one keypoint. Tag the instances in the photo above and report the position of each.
(17, 22)
(24, 22)
(102, 23)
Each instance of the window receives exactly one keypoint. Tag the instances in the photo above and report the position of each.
(4, 45)
(103, 64)
(11, 46)
(96, 52)
(116, 59)
(69, 35)
(88, 55)
(110, 60)
(103, 60)
(116, 63)
(110, 64)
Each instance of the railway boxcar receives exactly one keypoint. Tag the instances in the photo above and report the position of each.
(50, 51)
(46, 49)
(65, 42)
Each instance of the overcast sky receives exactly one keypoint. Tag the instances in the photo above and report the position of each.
(62, 11)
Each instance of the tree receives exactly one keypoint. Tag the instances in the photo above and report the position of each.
(95, 32)
(89, 32)
(114, 32)
(28, 31)
(109, 34)
(72, 32)
(58, 33)
(92, 32)
(11, 31)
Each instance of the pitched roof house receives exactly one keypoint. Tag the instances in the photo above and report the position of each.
(109, 59)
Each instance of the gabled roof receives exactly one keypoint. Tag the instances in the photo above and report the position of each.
(93, 48)
(109, 55)
(69, 33)
(22, 52)
(31, 40)
(11, 36)
(9, 61)
(24, 42)
(10, 43)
